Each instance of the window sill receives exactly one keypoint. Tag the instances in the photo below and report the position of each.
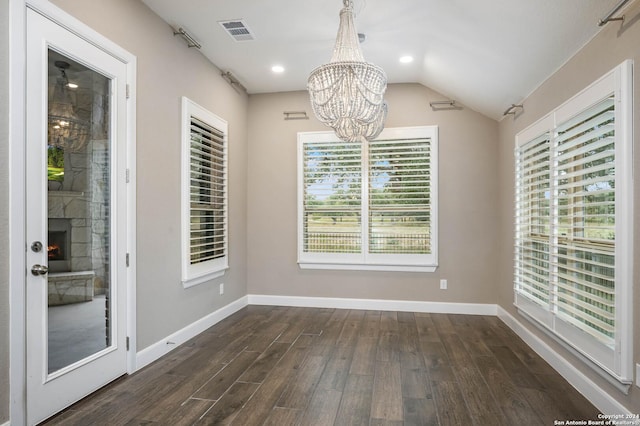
(368, 267)
(193, 281)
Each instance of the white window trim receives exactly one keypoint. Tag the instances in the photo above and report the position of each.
(206, 271)
(615, 364)
(366, 261)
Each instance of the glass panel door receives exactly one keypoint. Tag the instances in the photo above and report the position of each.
(78, 197)
(76, 210)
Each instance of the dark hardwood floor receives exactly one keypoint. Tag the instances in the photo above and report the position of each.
(304, 366)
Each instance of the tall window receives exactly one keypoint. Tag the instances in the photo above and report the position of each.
(204, 195)
(573, 249)
(368, 205)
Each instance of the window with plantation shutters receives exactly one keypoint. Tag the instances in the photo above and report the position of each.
(368, 205)
(204, 198)
(573, 249)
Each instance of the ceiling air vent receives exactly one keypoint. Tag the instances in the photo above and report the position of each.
(237, 29)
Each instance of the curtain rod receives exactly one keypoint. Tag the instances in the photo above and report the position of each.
(233, 81)
(295, 115)
(191, 42)
(609, 18)
(444, 105)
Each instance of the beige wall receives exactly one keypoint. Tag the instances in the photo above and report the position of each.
(615, 43)
(4, 209)
(167, 70)
(467, 204)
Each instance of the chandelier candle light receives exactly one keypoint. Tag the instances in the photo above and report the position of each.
(347, 94)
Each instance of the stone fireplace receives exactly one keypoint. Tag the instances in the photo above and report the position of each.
(78, 245)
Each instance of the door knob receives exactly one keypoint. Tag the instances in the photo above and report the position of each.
(39, 270)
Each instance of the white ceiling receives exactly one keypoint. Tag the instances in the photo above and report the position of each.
(484, 54)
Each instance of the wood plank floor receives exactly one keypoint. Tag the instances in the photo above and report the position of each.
(304, 366)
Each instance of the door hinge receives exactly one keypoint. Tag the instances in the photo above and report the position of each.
(127, 91)
(127, 260)
(127, 176)
(127, 342)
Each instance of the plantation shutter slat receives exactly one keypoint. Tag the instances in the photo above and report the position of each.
(532, 221)
(601, 109)
(332, 197)
(585, 273)
(578, 142)
(400, 196)
(207, 187)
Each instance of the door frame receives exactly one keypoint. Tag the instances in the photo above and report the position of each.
(17, 194)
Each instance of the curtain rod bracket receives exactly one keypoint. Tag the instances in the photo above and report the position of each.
(613, 11)
(513, 109)
(444, 105)
(233, 81)
(295, 115)
(606, 21)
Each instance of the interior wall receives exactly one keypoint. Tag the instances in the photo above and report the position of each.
(466, 206)
(167, 70)
(4, 209)
(615, 43)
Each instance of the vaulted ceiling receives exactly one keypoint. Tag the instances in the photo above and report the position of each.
(484, 54)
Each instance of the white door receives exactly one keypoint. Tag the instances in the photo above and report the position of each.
(76, 218)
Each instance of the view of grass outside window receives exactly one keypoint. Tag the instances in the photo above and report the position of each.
(367, 199)
(55, 164)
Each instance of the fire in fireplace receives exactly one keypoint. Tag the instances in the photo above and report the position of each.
(59, 245)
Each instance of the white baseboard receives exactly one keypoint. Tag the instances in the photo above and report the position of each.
(603, 401)
(162, 347)
(375, 304)
(6, 424)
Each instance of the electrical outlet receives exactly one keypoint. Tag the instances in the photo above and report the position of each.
(221, 288)
(443, 284)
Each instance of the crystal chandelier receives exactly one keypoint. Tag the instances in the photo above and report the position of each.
(347, 94)
(65, 129)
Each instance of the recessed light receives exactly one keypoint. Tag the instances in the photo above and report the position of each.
(277, 69)
(406, 59)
